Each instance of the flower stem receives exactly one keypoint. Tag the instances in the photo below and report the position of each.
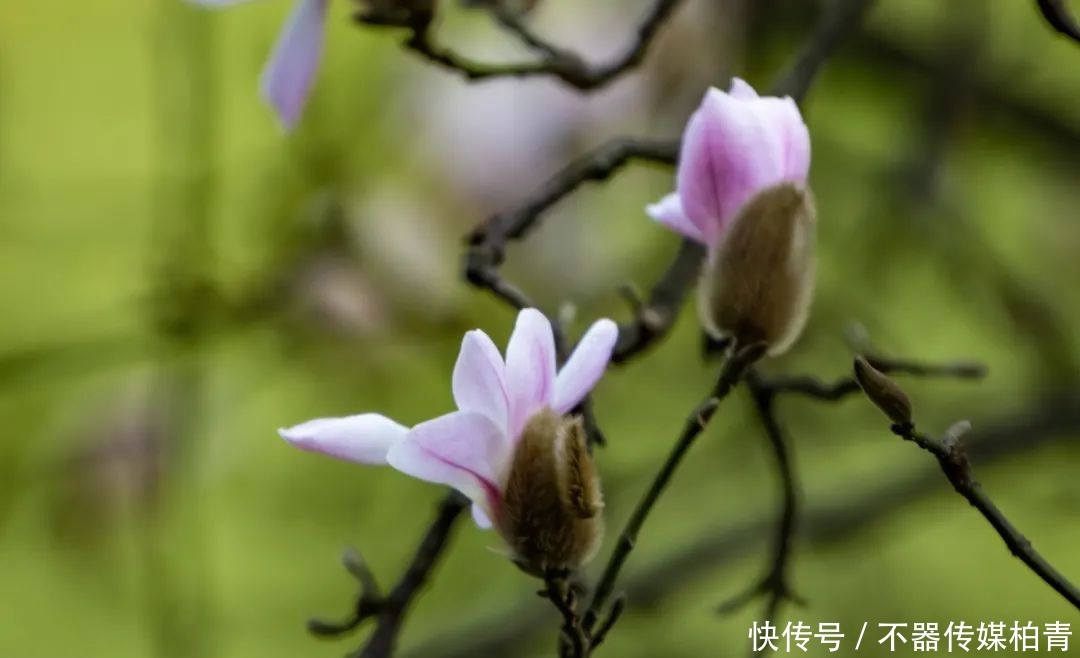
(734, 367)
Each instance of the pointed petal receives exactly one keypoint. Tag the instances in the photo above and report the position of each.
(668, 211)
(530, 368)
(478, 378)
(585, 366)
(464, 450)
(365, 438)
(289, 74)
(742, 90)
(480, 518)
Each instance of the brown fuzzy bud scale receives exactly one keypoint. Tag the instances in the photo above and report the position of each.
(758, 281)
(550, 516)
(883, 392)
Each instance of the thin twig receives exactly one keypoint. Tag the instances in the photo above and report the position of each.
(775, 582)
(391, 610)
(654, 315)
(1003, 439)
(1059, 18)
(954, 463)
(557, 62)
(842, 387)
(733, 369)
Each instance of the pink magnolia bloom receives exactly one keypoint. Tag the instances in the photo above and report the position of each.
(472, 449)
(289, 74)
(735, 145)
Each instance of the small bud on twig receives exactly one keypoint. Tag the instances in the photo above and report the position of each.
(883, 392)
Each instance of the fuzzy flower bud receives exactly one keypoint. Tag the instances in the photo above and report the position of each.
(550, 516)
(742, 192)
(757, 283)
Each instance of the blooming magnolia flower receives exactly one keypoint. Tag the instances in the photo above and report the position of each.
(288, 76)
(741, 190)
(509, 447)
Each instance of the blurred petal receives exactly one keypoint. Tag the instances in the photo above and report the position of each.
(585, 366)
(668, 211)
(463, 449)
(742, 90)
(365, 438)
(289, 74)
(530, 367)
(796, 142)
(478, 378)
(480, 518)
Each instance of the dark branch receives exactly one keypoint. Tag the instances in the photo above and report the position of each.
(774, 584)
(844, 386)
(733, 369)
(953, 460)
(557, 62)
(1059, 18)
(389, 611)
(954, 463)
(1002, 440)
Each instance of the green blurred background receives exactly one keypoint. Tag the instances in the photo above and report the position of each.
(179, 279)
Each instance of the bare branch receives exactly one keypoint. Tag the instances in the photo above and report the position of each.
(774, 583)
(1001, 440)
(556, 62)
(733, 370)
(389, 611)
(953, 459)
(1057, 15)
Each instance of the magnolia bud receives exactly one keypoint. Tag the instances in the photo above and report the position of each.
(551, 507)
(757, 282)
(883, 392)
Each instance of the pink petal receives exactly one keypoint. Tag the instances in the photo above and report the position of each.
(530, 367)
(365, 438)
(480, 518)
(668, 211)
(796, 143)
(585, 366)
(478, 378)
(289, 74)
(735, 145)
(464, 450)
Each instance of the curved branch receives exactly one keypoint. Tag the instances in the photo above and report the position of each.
(556, 62)
(1059, 18)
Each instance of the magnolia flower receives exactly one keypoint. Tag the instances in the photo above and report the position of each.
(741, 190)
(288, 76)
(510, 447)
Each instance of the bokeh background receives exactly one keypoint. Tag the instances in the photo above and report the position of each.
(178, 279)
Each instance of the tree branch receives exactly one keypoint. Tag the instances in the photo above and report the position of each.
(952, 458)
(733, 369)
(557, 62)
(775, 582)
(389, 611)
(1002, 440)
(1057, 15)
(954, 463)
